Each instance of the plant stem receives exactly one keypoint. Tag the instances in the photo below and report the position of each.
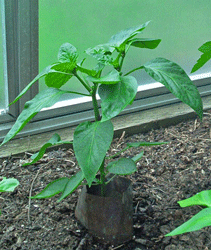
(98, 118)
(78, 93)
(118, 65)
(102, 179)
(133, 70)
(122, 59)
(81, 81)
(94, 102)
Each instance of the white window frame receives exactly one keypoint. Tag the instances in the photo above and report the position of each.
(21, 18)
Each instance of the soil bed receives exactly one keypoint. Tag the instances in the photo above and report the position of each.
(166, 174)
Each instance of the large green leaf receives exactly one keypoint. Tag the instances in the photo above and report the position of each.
(54, 141)
(176, 81)
(116, 97)
(44, 99)
(62, 185)
(67, 53)
(8, 185)
(122, 166)
(145, 43)
(120, 39)
(91, 142)
(205, 57)
(202, 199)
(197, 222)
(111, 78)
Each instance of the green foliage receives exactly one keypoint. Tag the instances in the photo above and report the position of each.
(144, 144)
(116, 89)
(138, 156)
(123, 166)
(112, 77)
(205, 57)
(91, 142)
(120, 40)
(115, 97)
(68, 54)
(175, 80)
(201, 219)
(102, 52)
(8, 185)
(54, 141)
(62, 185)
(67, 57)
(57, 80)
(145, 43)
(44, 99)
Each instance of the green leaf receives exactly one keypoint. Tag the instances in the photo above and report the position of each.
(197, 222)
(111, 78)
(138, 156)
(122, 166)
(145, 43)
(55, 140)
(72, 184)
(60, 75)
(144, 143)
(91, 142)
(53, 188)
(206, 47)
(120, 39)
(86, 71)
(117, 96)
(202, 199)
(8, 185)
(44, 99)
(67, 54)
(205, 57)
(201, 61)
(67, 57)
(62, 185)
(176, 81)
(102, 52)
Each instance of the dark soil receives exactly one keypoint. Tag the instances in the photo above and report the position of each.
(166, 174)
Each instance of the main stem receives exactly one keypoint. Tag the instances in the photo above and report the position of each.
(98, 118)
(94, 102)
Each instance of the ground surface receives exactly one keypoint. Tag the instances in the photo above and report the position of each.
(166, 174)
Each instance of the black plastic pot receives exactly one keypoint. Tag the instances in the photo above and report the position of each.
(109, 218)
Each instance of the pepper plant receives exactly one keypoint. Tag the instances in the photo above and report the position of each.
(117, 89)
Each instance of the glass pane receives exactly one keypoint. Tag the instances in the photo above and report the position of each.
(182, 25)
(3, 87)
